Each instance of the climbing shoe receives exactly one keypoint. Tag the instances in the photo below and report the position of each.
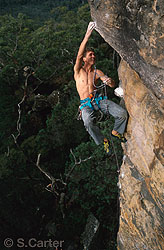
(120, 137)
(107, 147)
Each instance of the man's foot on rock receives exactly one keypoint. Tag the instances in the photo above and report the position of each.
(120, 137)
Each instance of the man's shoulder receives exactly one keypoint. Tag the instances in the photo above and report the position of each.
(78, 73)
(78, 70)
(99, 71)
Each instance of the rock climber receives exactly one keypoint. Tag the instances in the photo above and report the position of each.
(86, 77)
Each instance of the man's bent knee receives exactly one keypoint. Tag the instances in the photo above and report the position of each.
(125, 114)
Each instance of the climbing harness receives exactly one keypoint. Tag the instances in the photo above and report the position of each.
(90, 101)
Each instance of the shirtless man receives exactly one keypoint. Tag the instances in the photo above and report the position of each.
(86, 77)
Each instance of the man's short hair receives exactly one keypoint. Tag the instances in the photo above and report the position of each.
(88, 49)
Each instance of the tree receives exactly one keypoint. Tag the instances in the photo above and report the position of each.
(38, 59)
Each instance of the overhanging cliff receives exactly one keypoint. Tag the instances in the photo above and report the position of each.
(135, 29)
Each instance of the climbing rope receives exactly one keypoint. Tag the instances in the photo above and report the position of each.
(98, 87)
(103, 86)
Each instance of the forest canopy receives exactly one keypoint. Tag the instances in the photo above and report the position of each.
(38, 108)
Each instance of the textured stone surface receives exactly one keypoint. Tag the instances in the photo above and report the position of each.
(142, 172)
(135, 29)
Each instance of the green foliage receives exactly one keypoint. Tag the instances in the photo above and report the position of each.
(39, 10)
(49, 47)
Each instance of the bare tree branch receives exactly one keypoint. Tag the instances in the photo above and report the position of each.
(76, 163)
(48, 175)
(20, 111)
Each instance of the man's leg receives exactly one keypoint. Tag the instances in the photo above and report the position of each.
(120, 115)
(88, 117)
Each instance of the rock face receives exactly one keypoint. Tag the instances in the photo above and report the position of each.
(142, 172)
(135, 29)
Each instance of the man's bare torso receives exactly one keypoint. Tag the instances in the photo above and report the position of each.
(84, 82)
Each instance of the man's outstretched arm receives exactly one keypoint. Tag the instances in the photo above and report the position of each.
(79, 58)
